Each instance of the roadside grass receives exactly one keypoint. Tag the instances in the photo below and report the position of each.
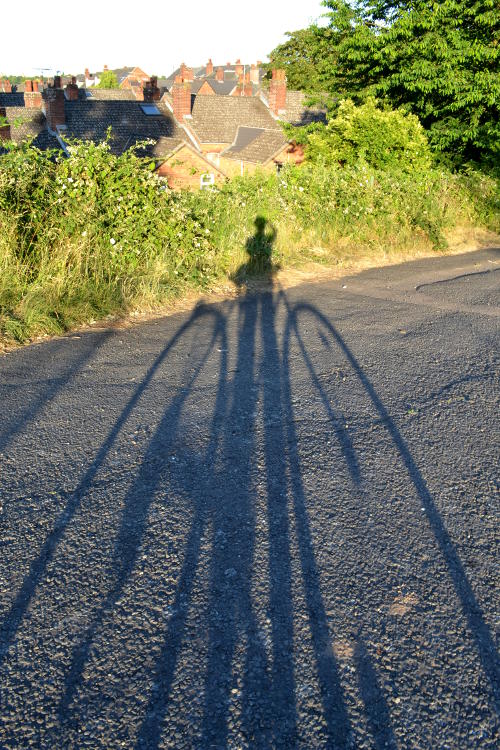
(98, 234)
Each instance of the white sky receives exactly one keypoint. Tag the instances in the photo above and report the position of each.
(72, 36)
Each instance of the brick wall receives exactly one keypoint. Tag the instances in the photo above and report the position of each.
(184, 169)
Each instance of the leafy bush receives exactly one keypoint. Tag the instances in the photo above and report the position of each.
(439, 60)
(96, 233)
(382, 138)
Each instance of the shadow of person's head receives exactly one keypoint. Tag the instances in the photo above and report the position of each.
(259, 248)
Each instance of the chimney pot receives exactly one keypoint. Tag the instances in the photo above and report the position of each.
(254, 74)
(150, 90)
(72, 90)
(210, 67)
(32, 97)
(277, 92)
(219, 75)
(53, 104)
(181, 96)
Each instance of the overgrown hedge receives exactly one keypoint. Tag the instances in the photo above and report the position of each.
(95, 233)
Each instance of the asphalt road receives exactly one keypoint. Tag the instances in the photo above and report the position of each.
(271, 523)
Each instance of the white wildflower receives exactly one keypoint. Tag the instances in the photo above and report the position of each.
(112, 241)
(70, 179)
(84, 233)
(301, 189)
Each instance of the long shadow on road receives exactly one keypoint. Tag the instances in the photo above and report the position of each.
(472, 611)
(226, 503)
(38, 566)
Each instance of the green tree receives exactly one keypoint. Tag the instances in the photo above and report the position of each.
(439, 59)
(299, 57)
(384, 139)
(107, 80)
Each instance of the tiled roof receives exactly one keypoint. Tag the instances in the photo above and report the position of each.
(89, 120)
(120, 73)
(222, 88)
(199, 74)
(298, 114)
(215, 119)
(29, 124)
(256, 145)
(110, 94)
(11, 99)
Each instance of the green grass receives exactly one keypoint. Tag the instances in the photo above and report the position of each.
(94, 235)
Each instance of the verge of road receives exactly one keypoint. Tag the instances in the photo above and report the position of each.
(353, 276)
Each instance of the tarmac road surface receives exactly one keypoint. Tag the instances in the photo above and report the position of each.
(271, 523)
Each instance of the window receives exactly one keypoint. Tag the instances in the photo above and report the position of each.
(207, 181)
(214, 157)
(150, 109)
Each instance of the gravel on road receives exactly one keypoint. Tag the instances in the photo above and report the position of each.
(270, 523)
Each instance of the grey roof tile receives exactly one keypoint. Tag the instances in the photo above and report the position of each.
(256, 145)
(215, 119)
(11, 99)
(89, 120)
(29, 124)
(110, 94)
(298, 114)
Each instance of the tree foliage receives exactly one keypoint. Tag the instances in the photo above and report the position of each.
(440, 60)
(384, 139)
(107, 80)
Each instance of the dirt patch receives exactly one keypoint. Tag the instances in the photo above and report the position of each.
(403, 604)
(343, 650)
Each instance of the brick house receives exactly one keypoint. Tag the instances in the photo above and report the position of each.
(193, 133)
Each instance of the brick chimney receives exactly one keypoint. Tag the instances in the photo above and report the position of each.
(247, 86)
(181, 95)
(254, 74)
(71, 90)
(238, 68)
(4, 129)
(32, 96)
(105, 67)
(277, 92)
(53, 105)
(6, 86)
(219, 74)
(244, 87)
(56, 83)
(150, 90)
(87, 73)
(186, 73)
(210, 68)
